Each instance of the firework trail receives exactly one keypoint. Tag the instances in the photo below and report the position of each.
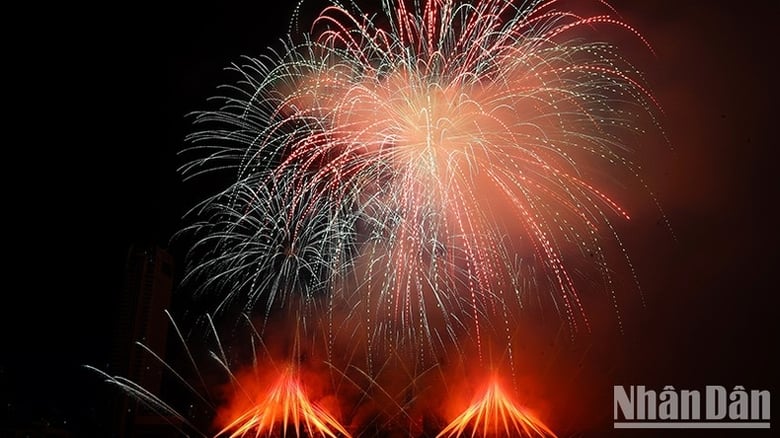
(402, 183)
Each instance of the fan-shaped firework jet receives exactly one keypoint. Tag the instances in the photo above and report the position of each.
(284, 406)
(496, 415)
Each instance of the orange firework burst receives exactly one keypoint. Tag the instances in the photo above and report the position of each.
(285, 406)
(496, 415)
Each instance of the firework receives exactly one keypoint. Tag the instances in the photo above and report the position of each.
(265, 243)
(285, 405)
(496, 415)
(402, 184)
(422, 158)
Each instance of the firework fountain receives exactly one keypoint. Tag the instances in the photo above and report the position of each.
(405, 183)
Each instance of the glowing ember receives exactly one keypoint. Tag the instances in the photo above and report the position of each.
(496, 415)
(286, 406)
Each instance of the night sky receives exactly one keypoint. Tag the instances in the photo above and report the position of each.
(103, 115)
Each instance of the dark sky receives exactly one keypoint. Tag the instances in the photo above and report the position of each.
(103, 116)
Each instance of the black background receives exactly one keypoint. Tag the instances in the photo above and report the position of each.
(97, 102)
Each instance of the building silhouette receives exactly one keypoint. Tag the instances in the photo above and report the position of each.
(146, 294)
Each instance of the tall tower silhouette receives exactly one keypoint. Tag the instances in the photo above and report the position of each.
(146, 294)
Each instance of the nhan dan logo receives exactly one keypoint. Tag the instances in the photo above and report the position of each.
(714, 407)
